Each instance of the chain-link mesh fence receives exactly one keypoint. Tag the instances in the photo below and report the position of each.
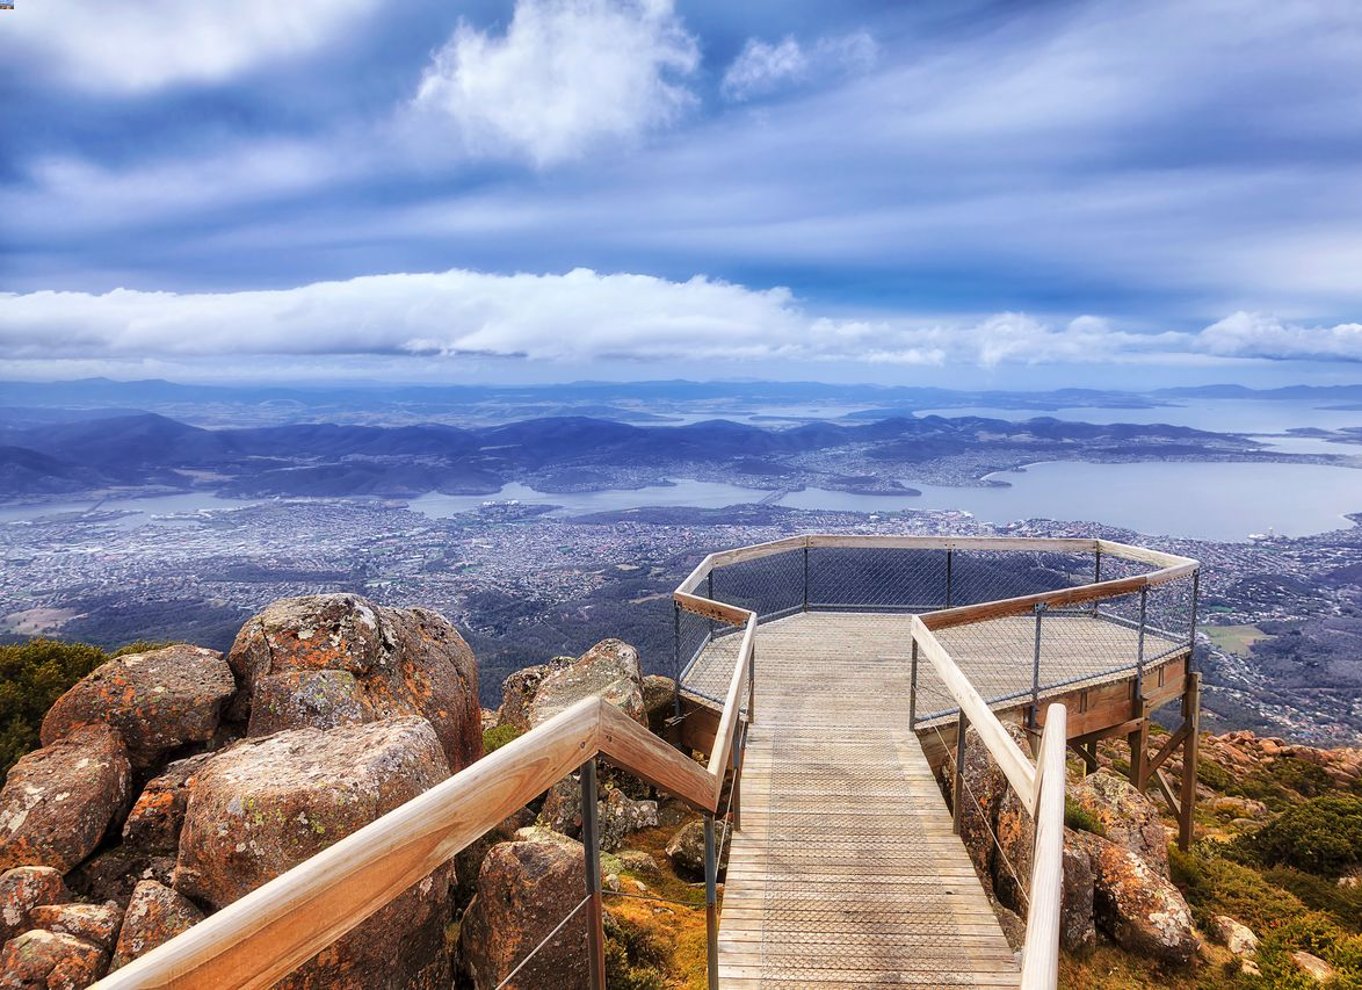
(1009, 658)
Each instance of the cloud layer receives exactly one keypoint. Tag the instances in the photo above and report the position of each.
(567, 75)
(584, 316)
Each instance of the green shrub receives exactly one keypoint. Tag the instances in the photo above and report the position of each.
(1215, 885)
(497, 736)
(1080, 819)
(32, 676)
(1343, 904)
(634, 957)
(1214, 776)
(1322, 835)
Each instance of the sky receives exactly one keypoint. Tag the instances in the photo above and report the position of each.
(964, 192)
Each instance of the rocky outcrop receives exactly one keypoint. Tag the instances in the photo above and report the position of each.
(525, 888)
(985, 788)
(265, 805)
(155, 914)
(157, 701)
(1135, 904)
(609, 669)
(23, 890)
(659, 700)
(94, 923)
(58, 801)
(402, 662)
(518, 691)
(1126, 816)
(617, 814)
(154, 822)
(1242, 752)
(39, 960)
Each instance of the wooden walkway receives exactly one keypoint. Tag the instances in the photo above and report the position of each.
(845, 873)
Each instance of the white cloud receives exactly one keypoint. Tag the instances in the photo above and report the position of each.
(143, 45)
(583, 316)
(763, 68)
(1261, 335)
(566, 75)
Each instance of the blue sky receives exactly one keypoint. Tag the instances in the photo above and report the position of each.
(1021, 193)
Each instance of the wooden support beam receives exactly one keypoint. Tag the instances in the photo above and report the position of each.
(1120, 729)
(1191, 707)
(1167, 790)
(1138, 738)
(1088, 753)
(1169, 745)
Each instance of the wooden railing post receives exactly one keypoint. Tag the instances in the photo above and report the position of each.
(595, 918)
(711, 904)
(1191, 710)
(1040, 959)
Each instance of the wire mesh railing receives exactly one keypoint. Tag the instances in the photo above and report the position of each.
(1101, 609)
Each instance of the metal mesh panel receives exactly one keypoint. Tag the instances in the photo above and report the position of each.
(877, 579)
(989, 576)
(769, 586)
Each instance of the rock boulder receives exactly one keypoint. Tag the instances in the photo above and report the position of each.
(518, 691)
(609, 669)
(525, 888)
(1128, 817)
(158, 700)
(402, 661)
(40, 960)
(155, 914)
(265, 805)
(1135, 904)
(154, 823)
(59, 800)
(23, 890)
(93, 923)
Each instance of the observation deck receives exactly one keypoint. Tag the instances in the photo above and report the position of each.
(845, 871)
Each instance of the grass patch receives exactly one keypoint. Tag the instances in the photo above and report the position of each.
(1080, 819)
(1234, 639)
(1322, 836)
(497, 736)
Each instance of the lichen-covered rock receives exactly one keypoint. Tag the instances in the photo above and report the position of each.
(93, 923)
(154, 822)
(264, 805)
(620, 816)
(23, 890)
(113, 873)
(659, 700)
(1235, 936)
(158, 700)
(1313, 966)
(1077, 919)
(468, 863)
(267, 804)
(985, 787)
(1128, 817)
(155, 915)
(403, 661)
(1135, 904)
(40, 960)
(518, 690)
(59, 800)
(609, 670)
(322, 699)
(525, 888)
(686, 848)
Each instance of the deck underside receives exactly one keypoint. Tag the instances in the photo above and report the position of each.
(845, 872)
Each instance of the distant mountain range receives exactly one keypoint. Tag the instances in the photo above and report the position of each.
(555, 453)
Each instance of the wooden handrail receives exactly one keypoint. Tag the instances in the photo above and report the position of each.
(1015, 764)
(265, 935)
(1040, 960)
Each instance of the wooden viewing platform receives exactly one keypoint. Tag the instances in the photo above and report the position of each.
(825, 681)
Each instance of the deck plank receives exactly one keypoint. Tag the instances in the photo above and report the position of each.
(846, 872)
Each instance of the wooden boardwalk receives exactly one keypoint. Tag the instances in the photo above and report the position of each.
(845, 873)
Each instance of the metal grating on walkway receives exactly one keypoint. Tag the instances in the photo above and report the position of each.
(845, 872)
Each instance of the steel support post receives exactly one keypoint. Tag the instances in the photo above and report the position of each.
(1033, 719)
(676, 658)
(595, 919)
(950, 562)
(711, 903)
(958, 783)
(912, 691)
